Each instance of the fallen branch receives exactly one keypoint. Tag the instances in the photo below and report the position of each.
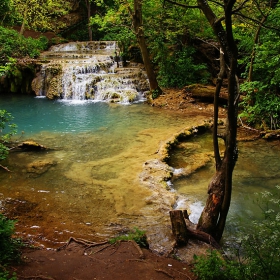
(6, 168)
(247, 127)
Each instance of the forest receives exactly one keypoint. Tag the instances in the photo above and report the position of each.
(182, 46)
(231, 44)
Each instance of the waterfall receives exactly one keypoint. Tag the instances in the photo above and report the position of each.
(89, 71)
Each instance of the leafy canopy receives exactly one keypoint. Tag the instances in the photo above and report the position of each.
(41, 15)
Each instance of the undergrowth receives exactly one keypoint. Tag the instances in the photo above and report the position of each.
(9, 247)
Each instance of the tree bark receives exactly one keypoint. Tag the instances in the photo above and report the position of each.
(179, 227)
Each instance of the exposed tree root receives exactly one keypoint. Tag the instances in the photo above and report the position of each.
(138, 249)
(203, 236)
(83, 242)
(103, 248)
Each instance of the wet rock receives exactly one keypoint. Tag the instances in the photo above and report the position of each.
(271, 134)
(31, 146)
(156, 175)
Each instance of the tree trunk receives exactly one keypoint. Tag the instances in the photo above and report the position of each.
(182, 232)
(22, 28)
(256, 39)
(88, 5)
(213, 217)
(179, 227)
(138, 27)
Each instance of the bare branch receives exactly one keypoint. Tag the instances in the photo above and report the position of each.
(258, 22)
(182, 5)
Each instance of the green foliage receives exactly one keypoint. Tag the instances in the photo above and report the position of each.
(7, 129)
(9, 245)
(261, 247)
(257, 256)
(41, 15)
(262, 101)
(178, 69)
(5, 275)
(166, 37)
(6, 12)
(137, 235)
(14, 45)
(213, 267)
(261, 106)
(115, 25)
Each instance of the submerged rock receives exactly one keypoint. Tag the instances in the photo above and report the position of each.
(39, 167)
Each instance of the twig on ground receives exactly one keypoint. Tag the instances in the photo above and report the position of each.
(37, 277)
(137, 260)
(164, 272)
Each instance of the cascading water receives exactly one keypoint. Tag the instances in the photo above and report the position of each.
(88, 71)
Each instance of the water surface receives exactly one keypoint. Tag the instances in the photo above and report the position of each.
(87, 185)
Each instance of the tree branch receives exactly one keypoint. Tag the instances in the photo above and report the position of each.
(6, 168)
(258, 22)
(182, 5)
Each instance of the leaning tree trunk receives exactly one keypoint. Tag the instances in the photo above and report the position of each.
(138, 27)
(213, 217)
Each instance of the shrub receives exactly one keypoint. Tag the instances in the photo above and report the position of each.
(15, 45)
(213, 267)
(137, 235)
(9, 246)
